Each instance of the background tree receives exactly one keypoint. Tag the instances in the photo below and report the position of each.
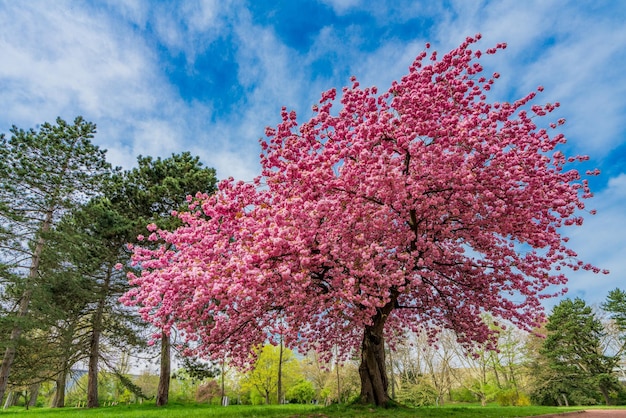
(133, 199)
(425, 365)
(42, 174)
(420, 208)
(150, 193)
(573, 357)
(302, 392)
(615, 306)
(103, 231)
(264, 376)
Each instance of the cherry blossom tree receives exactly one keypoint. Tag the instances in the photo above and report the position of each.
(420, 208)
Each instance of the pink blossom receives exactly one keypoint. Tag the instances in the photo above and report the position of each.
(416, 197)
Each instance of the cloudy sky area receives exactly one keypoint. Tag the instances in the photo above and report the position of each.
(207, 77)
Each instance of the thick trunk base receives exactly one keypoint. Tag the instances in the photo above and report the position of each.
(374, 382)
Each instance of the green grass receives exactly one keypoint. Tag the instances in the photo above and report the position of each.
(288, 411)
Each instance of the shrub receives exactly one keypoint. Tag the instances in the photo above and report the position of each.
(511, 397)
(302, 392)
(418, 394)
(463, 395)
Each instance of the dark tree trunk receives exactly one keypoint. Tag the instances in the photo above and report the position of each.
(34, 394)
(374, 382)
(16, 332)
(372, 371)
(94, 346)
(164, 377)
(59, 395)
(279, 385)
(92, 371)
(9, 353)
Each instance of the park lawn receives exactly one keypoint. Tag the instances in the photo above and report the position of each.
(287, 411)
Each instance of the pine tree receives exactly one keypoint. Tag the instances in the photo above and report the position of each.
(574, 352)
(43, 174)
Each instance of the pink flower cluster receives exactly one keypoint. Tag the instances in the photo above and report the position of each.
(426, 201)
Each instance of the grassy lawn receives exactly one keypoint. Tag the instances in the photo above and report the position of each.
(288, 411)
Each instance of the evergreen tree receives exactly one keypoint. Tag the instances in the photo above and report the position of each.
(144, 195)
(616, 306)
(573, 354)
(43, 174)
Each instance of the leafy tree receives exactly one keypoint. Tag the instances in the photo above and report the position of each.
(419, 208)
(208, 391)
(132, 199)
(100, 232)
(615, 305)
(573, 356)
(264, 376)
(43, 173)
(150, 193)
(301, 392)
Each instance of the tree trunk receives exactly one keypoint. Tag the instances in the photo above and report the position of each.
(94, 346)
(59, 395)
(374, 382)
(92, 370)
(9, 400)
(279, 385)
(338, 381)
(34, 394)
(9, 353)
(16, 332)
(372, 371)
(223, 391)
(164, 377)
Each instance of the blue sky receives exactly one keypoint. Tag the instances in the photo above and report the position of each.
(208, 76)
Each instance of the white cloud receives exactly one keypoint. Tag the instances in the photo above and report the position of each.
(70, 62)
(134, 11)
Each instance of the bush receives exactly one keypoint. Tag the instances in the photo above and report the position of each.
(302, 392)
(463, 395)
(417, 394)
(208, 391)
(511, 397)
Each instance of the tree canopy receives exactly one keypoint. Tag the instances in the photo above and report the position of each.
(422, 208)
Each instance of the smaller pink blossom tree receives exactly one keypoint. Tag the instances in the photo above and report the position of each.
(420, 208)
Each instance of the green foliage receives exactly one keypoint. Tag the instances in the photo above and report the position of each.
(262, 380)
(571, 367)
(148, 383)
(464, 395)
(158, 186)
(301, 392)
(418, 394)
(511, 397)
(199, 370)
(616, 306)
(44, 174)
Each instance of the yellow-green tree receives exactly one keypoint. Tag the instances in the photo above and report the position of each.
(264, 377)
